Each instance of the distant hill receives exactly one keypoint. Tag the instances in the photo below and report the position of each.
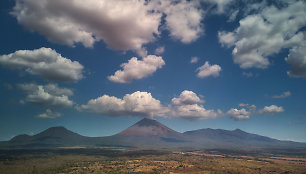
(54, 136)
(152, 134)
(237, 138)
(146, 133)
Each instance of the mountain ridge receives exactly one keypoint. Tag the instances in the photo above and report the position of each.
(151, 133)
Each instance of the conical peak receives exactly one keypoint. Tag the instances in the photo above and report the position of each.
(148, 122)
(146, 127)
(58, 131)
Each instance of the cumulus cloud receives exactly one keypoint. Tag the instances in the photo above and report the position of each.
(44, 62)
(297, 60)
(47, 95)
(135, 104)
(122, 25)
(187, 98)
(247, 111)
(226, 38)
(194, 112)
(273, 109)
(251, 108)
(283, 95)
(239, 114)
(160, 50)
(208, 70)
(242, 114)
(267, 33)
(183, 18)
(137, 69)
(49, 114)
(194, 60)
(186, 106)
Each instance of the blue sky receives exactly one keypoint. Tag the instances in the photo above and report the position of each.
(97, 67)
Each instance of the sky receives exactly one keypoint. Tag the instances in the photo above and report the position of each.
(99, 66)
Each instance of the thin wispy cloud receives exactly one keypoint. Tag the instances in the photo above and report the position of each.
(283, 95)
(194, 60)
(49, 114)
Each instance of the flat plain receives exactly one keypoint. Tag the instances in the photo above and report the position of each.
(83, 160)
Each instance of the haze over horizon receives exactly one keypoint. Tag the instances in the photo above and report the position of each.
(99, 66)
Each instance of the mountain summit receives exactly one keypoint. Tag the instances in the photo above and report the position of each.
(149, 127)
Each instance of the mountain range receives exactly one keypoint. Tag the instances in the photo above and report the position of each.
(150, 133)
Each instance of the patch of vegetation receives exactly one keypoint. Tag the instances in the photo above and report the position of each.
(145, 161)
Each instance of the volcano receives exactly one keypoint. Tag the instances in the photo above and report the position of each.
(149, 127)
(149, 133)
(54, 136)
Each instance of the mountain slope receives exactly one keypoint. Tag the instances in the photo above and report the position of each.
(236, 138)
(148, 127)
(152, 134)
(54, 136)
(147, 133)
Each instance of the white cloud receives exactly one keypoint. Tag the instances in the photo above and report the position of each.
(239, 114)
(187, 106)
(226, 38)
(297, 60)
(273, 109)
(44, 62)
(183, 19)
(283, 95)
(233, 16)
(247, 111)
(242, 114)
(187, 98)
(135, 104)
(143, 104)
(251, 108)
(47, 95)
(137, 69)
(194, 112)
(121, 24)
(194, 60)
(49, 114)
(208, 70)
(160, 50)
(243, 104)
(266, 33)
